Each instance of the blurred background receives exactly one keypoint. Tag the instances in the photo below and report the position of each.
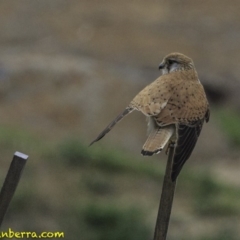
(67, 68)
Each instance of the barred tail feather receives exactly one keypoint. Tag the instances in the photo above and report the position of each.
(157, 140)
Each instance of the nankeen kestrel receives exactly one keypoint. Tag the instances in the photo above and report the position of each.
(176, 107)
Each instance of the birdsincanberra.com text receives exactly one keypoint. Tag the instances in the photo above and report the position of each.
(30, 235)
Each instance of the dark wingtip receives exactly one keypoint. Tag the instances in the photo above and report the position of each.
(174, 176)
(112, 124)
(91, 143)
(97, 139)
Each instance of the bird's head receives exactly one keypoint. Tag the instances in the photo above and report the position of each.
(175, 62)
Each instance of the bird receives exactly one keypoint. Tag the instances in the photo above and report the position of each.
(176, 107)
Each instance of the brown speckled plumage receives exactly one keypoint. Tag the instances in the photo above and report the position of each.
(176, 106)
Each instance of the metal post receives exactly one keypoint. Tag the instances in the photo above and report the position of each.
(11, 182)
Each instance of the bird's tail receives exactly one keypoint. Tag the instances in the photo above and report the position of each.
(112, 124)
(157, 140)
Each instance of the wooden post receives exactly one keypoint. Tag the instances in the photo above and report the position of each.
(11, 182)
(166, 200)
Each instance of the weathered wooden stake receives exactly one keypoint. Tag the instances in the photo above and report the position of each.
(166, 200)
(11, 182)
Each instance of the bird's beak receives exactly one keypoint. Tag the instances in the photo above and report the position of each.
(161, 66)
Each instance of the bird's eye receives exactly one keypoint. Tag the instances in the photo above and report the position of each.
(171, 61)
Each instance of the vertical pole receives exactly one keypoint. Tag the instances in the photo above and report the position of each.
(166, 200)
(11, 182)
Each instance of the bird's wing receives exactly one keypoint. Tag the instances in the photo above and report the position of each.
(112, 124)
(154, 97)
(149, 101)
(187, 103)
(186, 141)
